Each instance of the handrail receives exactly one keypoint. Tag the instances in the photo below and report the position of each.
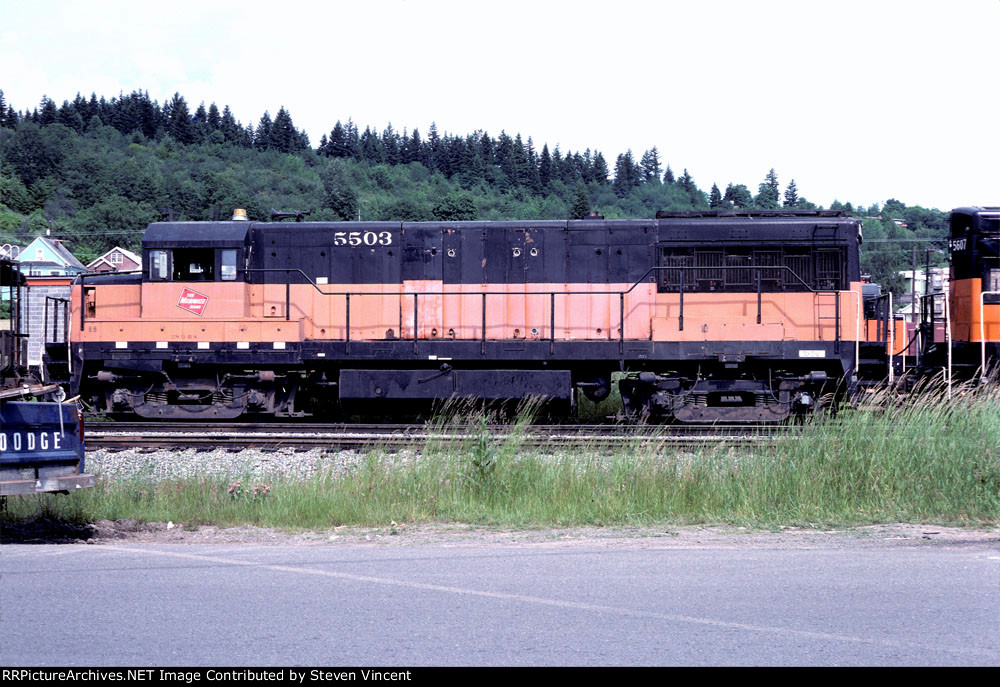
(947, 334)
(758, 269)
(552, 294)
(982, 330)
(55, 323)
(947, 326)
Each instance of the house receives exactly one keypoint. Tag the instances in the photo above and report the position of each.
(916, 282)
(116, 260)
(47, 257)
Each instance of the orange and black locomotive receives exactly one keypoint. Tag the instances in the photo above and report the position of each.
(744, 317)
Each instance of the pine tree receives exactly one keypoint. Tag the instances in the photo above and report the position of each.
(262, 134)
(431, 152)
(668, 176)
(179, 125)
(214, 120)
(413, 148)
(628, 174)
(768, 193)
(581, 206)
(529, 168)
(68, 116)
(283, 136)
(49, 112)
(337, 146)
(230, 128)
(200, 123)
(791, 195)
(390, 146)
(715, 197)
(686, 182)
(601, 171)
(650, 164)
(545, 167)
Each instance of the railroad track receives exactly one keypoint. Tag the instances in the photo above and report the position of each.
(236, 436)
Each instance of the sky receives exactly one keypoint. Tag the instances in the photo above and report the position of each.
(856, 100)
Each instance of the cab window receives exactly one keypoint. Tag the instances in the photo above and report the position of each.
(227, 265)
(194, 264)
(159, 269)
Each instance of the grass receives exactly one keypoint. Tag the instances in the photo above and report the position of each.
(931, 460)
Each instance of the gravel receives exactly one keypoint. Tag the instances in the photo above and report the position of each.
(165, 464)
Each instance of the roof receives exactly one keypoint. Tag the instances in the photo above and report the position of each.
(127, 253)
(57, 248)
(195, 234)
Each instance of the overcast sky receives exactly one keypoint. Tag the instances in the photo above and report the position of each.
(857, 100)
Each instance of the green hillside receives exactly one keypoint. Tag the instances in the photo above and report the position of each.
(95, 171)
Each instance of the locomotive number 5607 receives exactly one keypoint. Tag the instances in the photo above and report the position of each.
(358, 238)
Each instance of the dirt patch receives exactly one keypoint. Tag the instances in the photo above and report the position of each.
(48, 531)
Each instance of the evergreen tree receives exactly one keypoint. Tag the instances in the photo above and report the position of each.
(715, 197)
(200, 124)
(503, 154)
(262, 134)
(431, 151)
(282, 136)
(628, 175)
(687, 183)
(337, 146)
(391, 146)
(371, 148)
(413, 148)
(668, 176)
(532, 178)
(545, 167)
(581, 206)
(650, 164)
(231, 129)
(68, 116)
(214, 120)
(791, 195)
(179, 124)
(49, 112)
(601, 170)
(768, 196)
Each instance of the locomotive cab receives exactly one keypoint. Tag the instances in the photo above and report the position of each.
(211, 259)
(974, 291)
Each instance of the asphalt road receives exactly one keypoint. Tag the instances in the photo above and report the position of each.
(837, 600)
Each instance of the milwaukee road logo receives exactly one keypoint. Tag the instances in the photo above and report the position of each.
(192, 301)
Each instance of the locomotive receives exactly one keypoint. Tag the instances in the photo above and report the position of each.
(749, 316)
(970, 345)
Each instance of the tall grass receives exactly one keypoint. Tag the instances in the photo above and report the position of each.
(930, 460)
